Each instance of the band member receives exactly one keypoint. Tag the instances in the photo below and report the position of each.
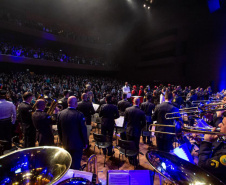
(134, 121)
(212, 153)
(164, 141)
(141, 91)
(72, 131)
(147, 107)
(87, 109)
(177, 100)
(63, 101)
(123, 104)
(126, 89)
(24, 116)
(109, 113)
(7, 118)
(43, 124)
(134, 91)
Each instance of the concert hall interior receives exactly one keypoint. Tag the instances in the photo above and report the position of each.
(113, 92)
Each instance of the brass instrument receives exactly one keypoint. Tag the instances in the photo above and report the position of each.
(52, 107)
(92, 167)
(179, 129)
(38, 165)
(39, 97)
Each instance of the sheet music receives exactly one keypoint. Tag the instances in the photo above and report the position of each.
(95, 106)
(118, 178)
(135, 177)
(119, 122)
(130, 177)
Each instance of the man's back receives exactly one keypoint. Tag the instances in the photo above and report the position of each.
(87, 109)
(159, 116)
(135, 119)
(72, 130)
(24, 113)
(122, 105)
(147, 107)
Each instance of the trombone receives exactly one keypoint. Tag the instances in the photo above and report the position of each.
(179, 129)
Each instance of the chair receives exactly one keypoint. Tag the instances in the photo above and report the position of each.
(118, 130)
(102, 142)
(128, 148)
(98, 122)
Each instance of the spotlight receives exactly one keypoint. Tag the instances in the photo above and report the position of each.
(151, 1)
(144, 5)
(149, 7)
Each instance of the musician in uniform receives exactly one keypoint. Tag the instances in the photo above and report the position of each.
(87, 109)
(72, 131)
(25, 118)
(212, 153)
(7, 118)
(108, 113)
(147, 107)
(134, 121)
(164, 141)
(43, 124)
(63, 101)
(123, 104)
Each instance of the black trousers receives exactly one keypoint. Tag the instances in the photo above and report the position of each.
(29, 136)
(107, 132)
(164, 144)
(76, 158)
(6, 132)
(133, 160)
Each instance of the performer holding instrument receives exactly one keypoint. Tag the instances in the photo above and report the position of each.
(212, 153)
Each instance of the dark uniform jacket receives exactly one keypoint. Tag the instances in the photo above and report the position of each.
(87, 109)
(102, 102)
(212, 157)
(159, 116)
(109, 113)
(72, 129)
(24, 113)
(122, 105)
(63, 102)
(134, 121)
(43, 124)
(147, 107)
(178, 101)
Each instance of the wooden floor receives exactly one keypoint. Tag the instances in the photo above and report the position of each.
(113, 162)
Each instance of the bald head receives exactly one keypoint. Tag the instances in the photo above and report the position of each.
(84, 96)
(136, 101)
(41, 104)
(72, 101)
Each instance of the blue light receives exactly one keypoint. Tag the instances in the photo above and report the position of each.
(222, 82)
(213, 5)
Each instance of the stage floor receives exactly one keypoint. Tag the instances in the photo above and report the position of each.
(113, 162)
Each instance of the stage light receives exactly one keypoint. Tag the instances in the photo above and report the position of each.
(151, 1)
(144, 5)
(149, 7)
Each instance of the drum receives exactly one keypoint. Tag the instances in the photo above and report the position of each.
(179, 171)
